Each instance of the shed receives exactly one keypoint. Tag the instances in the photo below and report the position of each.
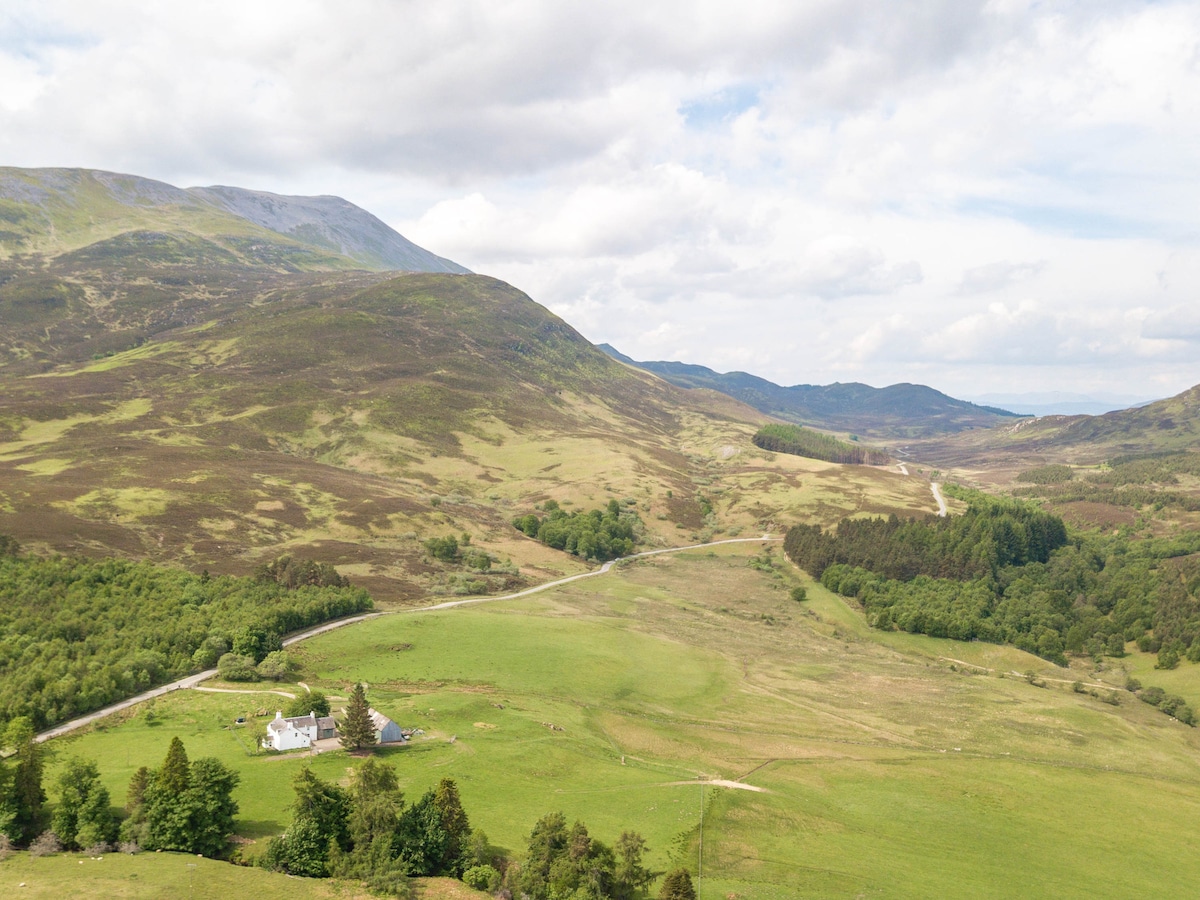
(386, 731)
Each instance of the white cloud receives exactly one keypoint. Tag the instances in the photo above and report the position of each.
(954, 191)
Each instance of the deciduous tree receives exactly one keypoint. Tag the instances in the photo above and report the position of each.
(83, 817)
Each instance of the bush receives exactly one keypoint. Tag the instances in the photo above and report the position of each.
(276, 666)
(1153, 695)
(445, 549)
(45, 844)
(235, 667)
(482, 878)
(799, 594)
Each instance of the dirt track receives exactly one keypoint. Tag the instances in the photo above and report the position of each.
(193, 680)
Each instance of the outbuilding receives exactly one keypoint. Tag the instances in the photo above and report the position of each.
(386, 731)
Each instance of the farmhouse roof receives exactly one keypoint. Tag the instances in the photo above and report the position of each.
(279, 723)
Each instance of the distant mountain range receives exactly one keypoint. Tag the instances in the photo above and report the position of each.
(897, 412)
(50, 211)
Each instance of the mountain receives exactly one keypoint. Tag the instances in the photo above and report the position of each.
(184, 384)
(54, 210)
(332, 223)
(1162, 426)
(900, 411)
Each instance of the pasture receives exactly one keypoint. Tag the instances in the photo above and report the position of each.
(888, 765)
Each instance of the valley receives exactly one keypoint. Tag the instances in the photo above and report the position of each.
(219, 382)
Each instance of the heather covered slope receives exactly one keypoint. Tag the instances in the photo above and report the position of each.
(183, 384)
(195, 409)
(1168, 425)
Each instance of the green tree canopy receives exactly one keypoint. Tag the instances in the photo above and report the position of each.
(308, 702)
(83, 817)
(358, 732)
(677, 885)
(22, 813)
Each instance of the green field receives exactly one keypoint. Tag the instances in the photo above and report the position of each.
(891, 765)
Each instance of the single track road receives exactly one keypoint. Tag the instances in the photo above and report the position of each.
(193, 680)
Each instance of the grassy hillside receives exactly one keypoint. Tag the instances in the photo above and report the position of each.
(52, 211)
(166, 875)
(1169, 425)
(886, 764)
(168, 398)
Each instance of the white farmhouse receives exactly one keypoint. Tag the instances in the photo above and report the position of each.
(298, 732)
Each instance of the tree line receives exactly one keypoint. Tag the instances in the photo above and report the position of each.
(1007, 573)
(79, 634)
(596, 535)
(992, 534)
(367, 831)
(1135, 481)
(805, 442)
(182, 805)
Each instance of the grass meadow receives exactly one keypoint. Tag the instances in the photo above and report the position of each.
(889, 765)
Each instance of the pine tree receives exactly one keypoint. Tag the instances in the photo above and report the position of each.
(677, 886)
(455, 824)
(24, 814)
(174, 776)
(358, 732)
(133, 829)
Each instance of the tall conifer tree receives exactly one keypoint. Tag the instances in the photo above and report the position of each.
(358, 732)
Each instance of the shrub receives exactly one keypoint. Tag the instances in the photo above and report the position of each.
(799, 594)
(482, 878)
(235, 667)
(445, 549)
(276, 666)
(45, 844)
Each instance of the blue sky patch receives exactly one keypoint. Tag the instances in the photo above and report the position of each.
(720, 106)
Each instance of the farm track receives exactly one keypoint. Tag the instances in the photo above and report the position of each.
(193, 681)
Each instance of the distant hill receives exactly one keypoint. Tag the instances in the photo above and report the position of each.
(55, 210)
(1165, 425)
(897, 412)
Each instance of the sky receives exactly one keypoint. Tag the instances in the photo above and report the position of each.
(985, 196)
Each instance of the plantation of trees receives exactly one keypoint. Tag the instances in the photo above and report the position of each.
(1007, 573)
(77, 634)
(804, 442)
(599, 534)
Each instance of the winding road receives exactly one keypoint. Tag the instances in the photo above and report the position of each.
(937, 495)
(193, 680)
(934, 486)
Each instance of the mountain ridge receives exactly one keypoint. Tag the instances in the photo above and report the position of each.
(898, 411)
(56, 210)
